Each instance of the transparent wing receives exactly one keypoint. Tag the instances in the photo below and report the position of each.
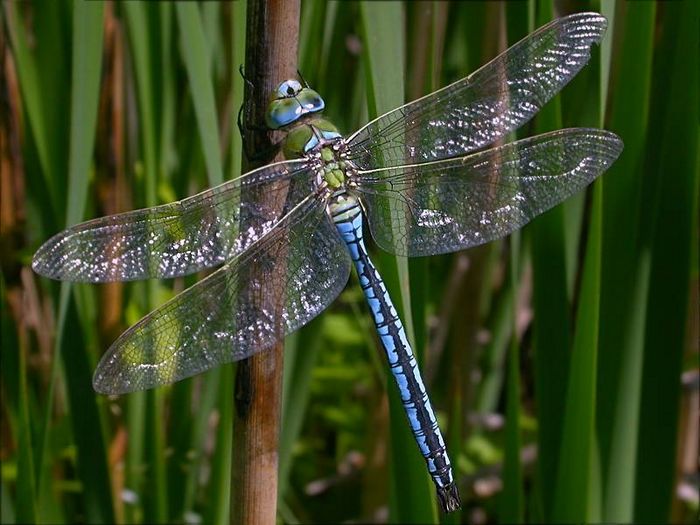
(449, 205)
(179, 238)
(478, 110)
(269, 290)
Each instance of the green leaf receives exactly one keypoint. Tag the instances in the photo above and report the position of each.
(572, 495)
(194, 49)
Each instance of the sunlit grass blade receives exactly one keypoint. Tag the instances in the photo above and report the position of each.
(200, 81)
(33, 96)
(141, 51)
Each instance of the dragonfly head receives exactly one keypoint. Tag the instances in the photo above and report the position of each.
(291, 101)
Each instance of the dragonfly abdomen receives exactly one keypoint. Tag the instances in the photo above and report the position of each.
(347, 216)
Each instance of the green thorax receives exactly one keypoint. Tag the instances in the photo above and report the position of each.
(317, 134)
(305, 136)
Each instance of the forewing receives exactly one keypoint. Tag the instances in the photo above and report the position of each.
(179, 238)
(478, 110)
(269, 290)
(450, 205)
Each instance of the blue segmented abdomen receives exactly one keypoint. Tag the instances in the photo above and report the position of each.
(348, 220)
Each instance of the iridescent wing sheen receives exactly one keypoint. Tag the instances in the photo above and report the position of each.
(478, 110)
(271, 289)
(449, 205)
(179, 238)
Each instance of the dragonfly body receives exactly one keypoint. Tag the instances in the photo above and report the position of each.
(422, 176)
(347, 216)
(319, 140)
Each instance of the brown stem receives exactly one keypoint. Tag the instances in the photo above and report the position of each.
(272, 30)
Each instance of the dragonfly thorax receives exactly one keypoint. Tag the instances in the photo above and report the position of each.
(332, 168)
(308, 137)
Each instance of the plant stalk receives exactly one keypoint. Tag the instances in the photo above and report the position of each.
(272, 29)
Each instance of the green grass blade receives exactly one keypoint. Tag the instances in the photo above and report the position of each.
(87, 64)
(623, 279)
(30, 85)
(141, 51)
(511, 504)
(167, 150)
(156, 507)
(219, 508)
(572, 494)
(17, 397)
(200, 82)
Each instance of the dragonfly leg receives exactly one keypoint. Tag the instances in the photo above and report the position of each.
(251, 153)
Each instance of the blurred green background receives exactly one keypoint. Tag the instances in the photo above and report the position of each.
(562, 362)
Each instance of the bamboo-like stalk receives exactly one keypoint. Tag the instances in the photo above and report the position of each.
(272, 30)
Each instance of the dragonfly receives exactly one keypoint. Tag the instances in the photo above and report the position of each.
(430, 177)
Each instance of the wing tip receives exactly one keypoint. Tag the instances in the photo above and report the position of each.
(611, 141)
(40, 260)
(616, 143)
(109, 382)
(588, 25)
(110, 378)
(588, 17)
(99, 385)
(50, 259)
(103, 380)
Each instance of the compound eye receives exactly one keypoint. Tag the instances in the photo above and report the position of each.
(288, 89)
(310, 100)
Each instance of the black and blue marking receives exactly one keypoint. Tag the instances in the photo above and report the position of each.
(347, 216)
